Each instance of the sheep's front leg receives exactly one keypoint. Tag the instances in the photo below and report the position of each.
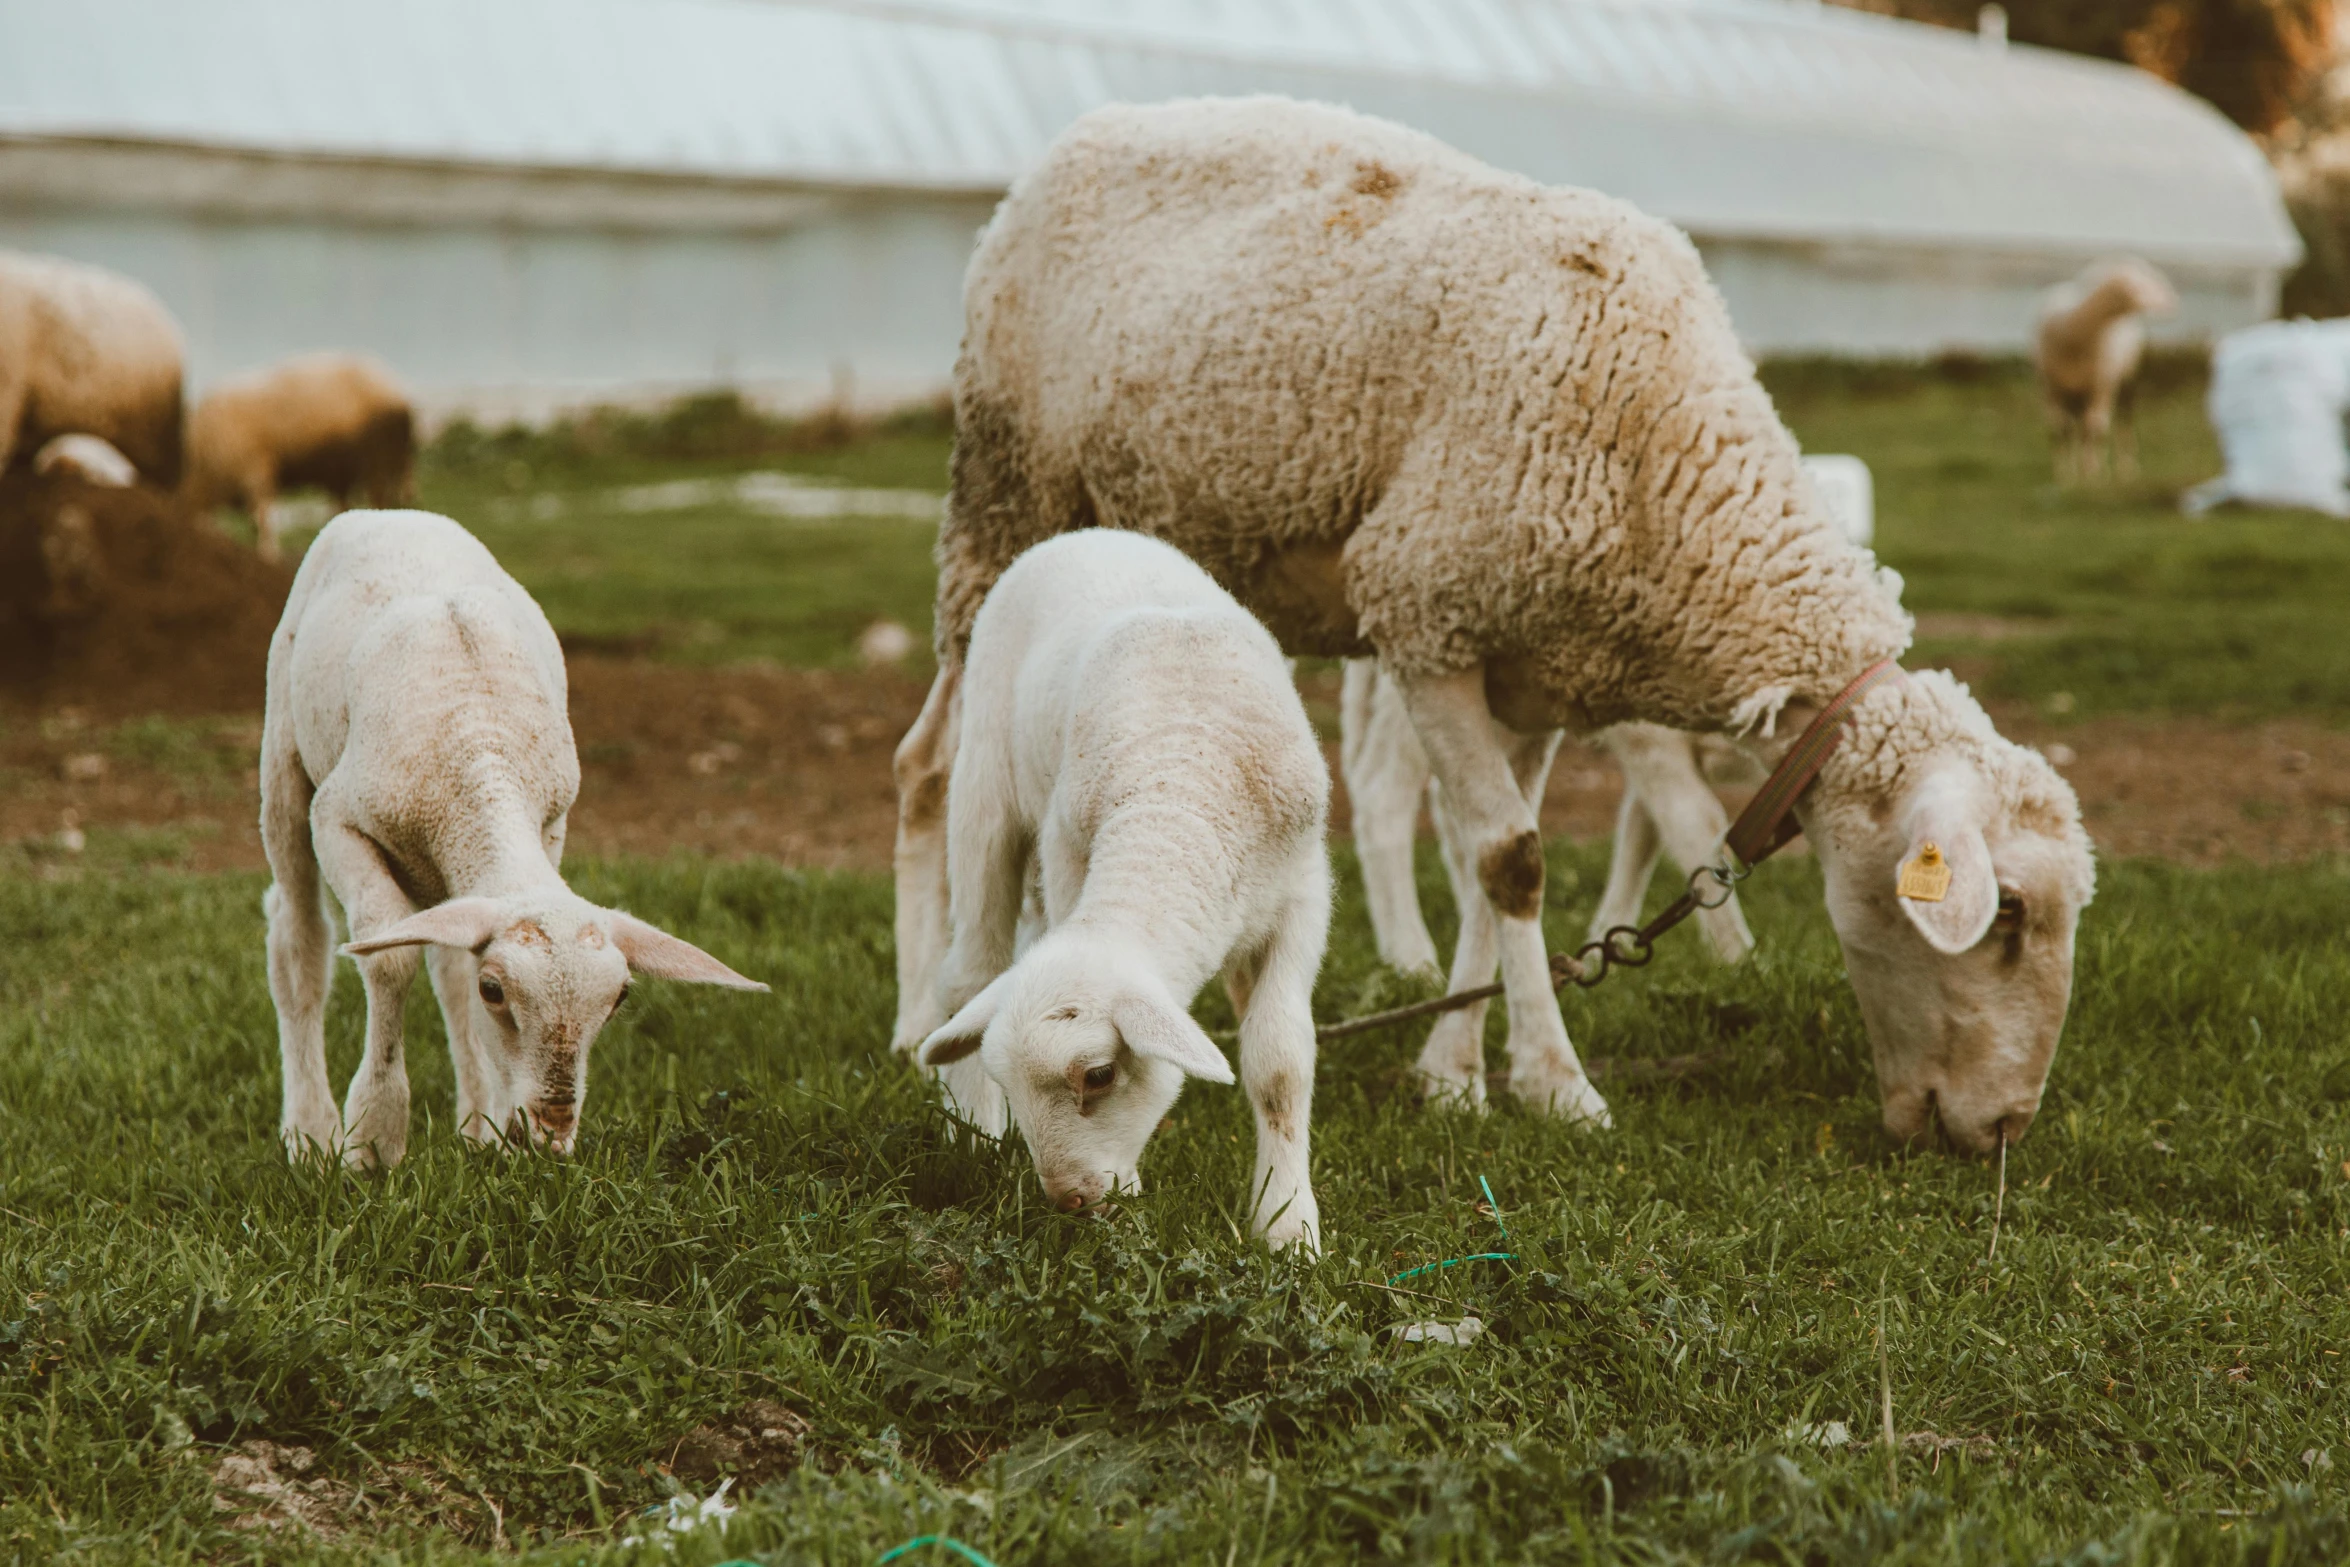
(301, 953)
(375, 1110)
(1386, 775)
(482, 1108)
(1490, 779)
(1274, 994)
(925, 760)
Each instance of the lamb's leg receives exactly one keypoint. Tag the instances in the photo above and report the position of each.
(301, 952)
(261, 496)
(1274, 993)
(482, 1111)
(925, 759)
(989, 877)
(375, 1110)
(1661, 772)
(2125, 430)
(1491, 778)
(1386, 775)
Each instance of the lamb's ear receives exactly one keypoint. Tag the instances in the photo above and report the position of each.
(1945, 882)
(1152, 1025)
(959, 1035)
(655, 953)
(467, 923)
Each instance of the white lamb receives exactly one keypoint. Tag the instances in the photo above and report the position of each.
(1501, 436)
(417, 763)
(1132, 747)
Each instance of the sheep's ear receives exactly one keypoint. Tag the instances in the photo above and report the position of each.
(1152, 1025)
(1945, 882)
(654, 953)
(959, 1035)
(466, 923)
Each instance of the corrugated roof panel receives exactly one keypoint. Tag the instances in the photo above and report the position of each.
(1728, 116)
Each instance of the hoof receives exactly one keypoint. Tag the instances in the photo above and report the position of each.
(1452, 1093)
(305, 1145)
(1571, 1099)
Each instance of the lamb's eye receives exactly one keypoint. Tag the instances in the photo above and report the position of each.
(1097, 1078)
(2011, 912)
(492, 992)
(621, 999)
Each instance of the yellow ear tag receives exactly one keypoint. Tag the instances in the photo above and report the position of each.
(1925, 879)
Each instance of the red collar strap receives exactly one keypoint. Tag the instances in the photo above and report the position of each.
(1768, 823)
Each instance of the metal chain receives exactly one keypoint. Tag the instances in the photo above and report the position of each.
(1623, 946)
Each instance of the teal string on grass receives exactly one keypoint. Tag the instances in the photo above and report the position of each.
(943, 1541)
(1454, 1262)
(1495, 1205)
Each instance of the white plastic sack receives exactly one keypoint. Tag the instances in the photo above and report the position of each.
(2278, 394)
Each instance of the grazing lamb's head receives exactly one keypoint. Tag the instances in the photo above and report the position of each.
(1090, 1051)
(546, 975)
(1956, 870)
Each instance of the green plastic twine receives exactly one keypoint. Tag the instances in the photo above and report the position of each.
(945, 1541)
(1490, 1202)
(1454, 1262)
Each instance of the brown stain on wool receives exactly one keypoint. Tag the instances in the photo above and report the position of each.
(1511, 874)
(1373, 178)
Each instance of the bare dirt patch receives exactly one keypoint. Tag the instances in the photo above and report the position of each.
(269, 1488)
(793, 765)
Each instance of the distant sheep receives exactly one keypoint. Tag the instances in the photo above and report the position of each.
(1134, 751)
(2091, 335)
(339, 422)
(417, 764)
(1503, 437)
(83, 350)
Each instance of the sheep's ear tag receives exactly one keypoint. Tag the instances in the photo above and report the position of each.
(1925, 879)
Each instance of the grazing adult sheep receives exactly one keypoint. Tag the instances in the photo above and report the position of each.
(2091, 335)
(1132, 747)
(87, 351)
(417, 763)
(336, 421)
(1501, 436)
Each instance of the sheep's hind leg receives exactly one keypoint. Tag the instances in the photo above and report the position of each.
(301, 956)
(1490, 779)
(1386, 775)
(925, 760)
(375, 1110)
(1684, 816)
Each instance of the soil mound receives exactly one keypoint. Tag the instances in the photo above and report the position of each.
(120, 601)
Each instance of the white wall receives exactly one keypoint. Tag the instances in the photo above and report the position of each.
(520, 303)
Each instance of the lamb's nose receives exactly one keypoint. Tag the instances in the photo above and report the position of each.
(556, 1123)
(1071, 1201)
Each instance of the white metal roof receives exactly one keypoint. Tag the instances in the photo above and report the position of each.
(1764, 118)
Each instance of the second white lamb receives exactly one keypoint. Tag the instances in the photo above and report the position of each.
(1130, 751)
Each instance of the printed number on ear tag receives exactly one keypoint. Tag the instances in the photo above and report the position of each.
(1925, 879)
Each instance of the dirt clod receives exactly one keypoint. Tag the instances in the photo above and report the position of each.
(757, 1443)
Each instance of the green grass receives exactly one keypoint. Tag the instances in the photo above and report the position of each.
(711, 583)
(2123, 604)
(2111, 601)
(766, 1206)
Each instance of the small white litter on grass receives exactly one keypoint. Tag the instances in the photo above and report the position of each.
(1465, 1331)
(682, 1515)
(884, 642)
(1830, 1434)
(777, 494)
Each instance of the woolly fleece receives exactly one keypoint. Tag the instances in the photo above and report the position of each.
(1395, 399)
